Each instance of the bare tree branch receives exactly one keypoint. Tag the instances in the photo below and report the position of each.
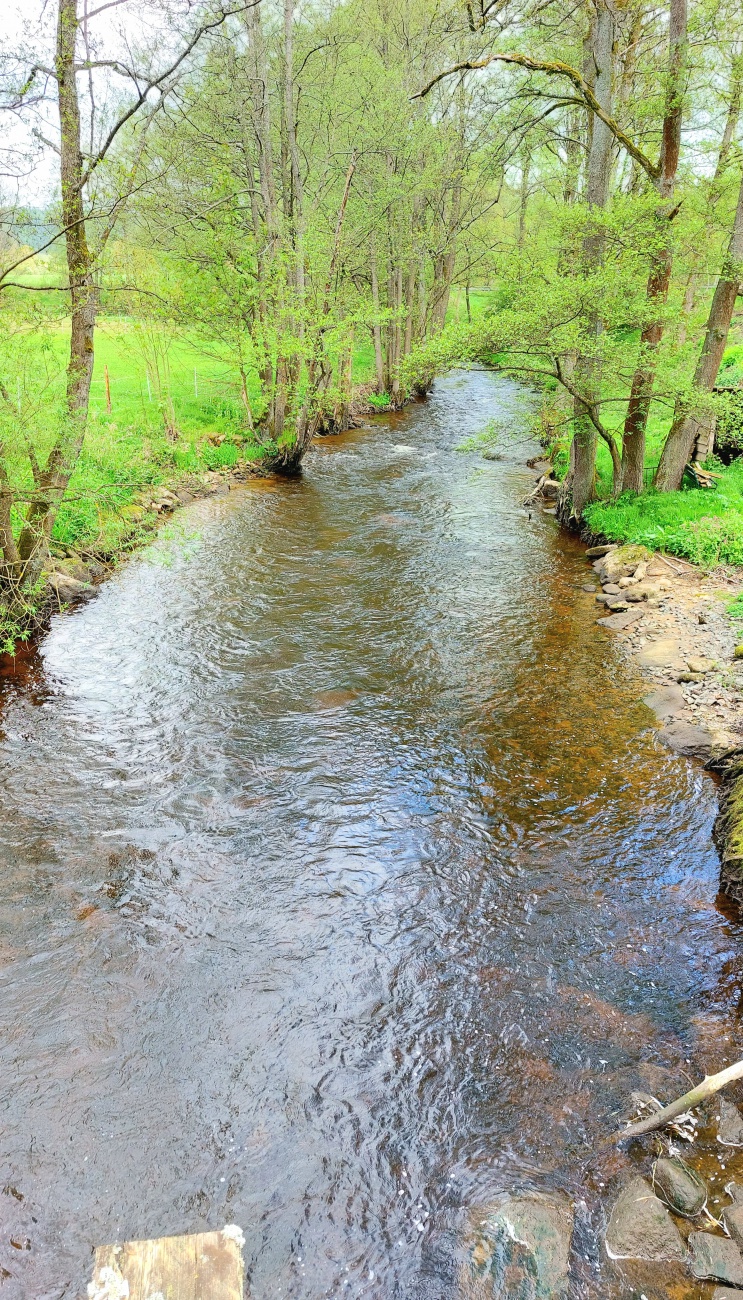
(554, 68)
(157, 82)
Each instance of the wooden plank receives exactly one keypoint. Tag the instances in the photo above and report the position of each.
(201, 1266)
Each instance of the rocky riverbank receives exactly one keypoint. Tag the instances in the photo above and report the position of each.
(670, 1226)
(673, 621)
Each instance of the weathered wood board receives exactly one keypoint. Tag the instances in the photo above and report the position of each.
(201, 1266)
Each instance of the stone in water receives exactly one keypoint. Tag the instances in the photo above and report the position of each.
(729, 1124)
(520, 1248)
(679, 1186)
(716, 1257)
(640, 1226)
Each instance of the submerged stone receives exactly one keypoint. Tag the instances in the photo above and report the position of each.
(679, 1186)
(716, 1258)
(640, 1226)
(732, 1217)
(729, 1124)
(520, 1249)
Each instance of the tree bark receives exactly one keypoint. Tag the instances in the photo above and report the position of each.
(376, 326)
(588, 366)
(659, 279)
(55, 475)
(686, 423)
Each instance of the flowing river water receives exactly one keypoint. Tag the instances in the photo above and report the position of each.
(344, 883)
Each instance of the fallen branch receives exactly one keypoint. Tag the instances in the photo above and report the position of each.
(707, 1088)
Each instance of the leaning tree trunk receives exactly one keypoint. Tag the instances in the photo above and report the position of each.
(659, 280)
(686, 422)
(580, 485)
(52, 479)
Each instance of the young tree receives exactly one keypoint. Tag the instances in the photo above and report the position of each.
(89, 211)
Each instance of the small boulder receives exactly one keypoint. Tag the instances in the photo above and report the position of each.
(640, 1226)
(716, 1257)
(612, 588)
(74, 568)
(666, 701)
(729, 1124)
(698, 664)
(617, 606)
(738, 652)
(679, 1186)
(687, 739)
(520, 1247)
(622, 562)
(690, 677)
(732, 1217)
(588, 586)
(598, 552)
(67, 589)
(618, 622)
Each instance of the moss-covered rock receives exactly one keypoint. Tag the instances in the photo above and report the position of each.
(623, 562)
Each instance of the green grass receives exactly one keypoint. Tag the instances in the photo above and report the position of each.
(127, 450)
(705, 526)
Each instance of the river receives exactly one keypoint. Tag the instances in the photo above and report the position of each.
(344, 882)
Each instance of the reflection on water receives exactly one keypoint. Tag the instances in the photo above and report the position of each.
(343, 882)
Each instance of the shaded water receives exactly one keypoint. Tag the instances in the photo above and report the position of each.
(343, 882)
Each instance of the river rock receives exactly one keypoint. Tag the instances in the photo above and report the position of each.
(690, 677)
(729, 1124)
(726, 1293)
(520, 1247)
(617, 606)
(612, 588)
(687, 739)
(679, 1186)
(588, 586)
(618, 622)
(666, 702)
(622, 562)
(74, 568)
(66, 588)
(732, 1217)
(598, 552)
(716, 1257)
(699, 664)
(738, 652)
(663, 653)
(640, 1226)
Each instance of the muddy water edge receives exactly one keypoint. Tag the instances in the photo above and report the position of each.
(345, 885)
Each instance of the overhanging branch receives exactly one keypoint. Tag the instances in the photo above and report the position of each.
(554, 68)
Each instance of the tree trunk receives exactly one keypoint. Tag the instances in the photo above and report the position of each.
(376, 326)
(686, 424)
(523, 198)
(659, 280)
(581, 487)
(55, 475)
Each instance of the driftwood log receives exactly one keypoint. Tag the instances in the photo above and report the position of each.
(707, 1088)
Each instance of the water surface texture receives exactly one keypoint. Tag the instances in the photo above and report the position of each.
(344, 883)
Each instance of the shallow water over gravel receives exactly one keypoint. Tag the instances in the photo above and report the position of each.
(343, 881)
